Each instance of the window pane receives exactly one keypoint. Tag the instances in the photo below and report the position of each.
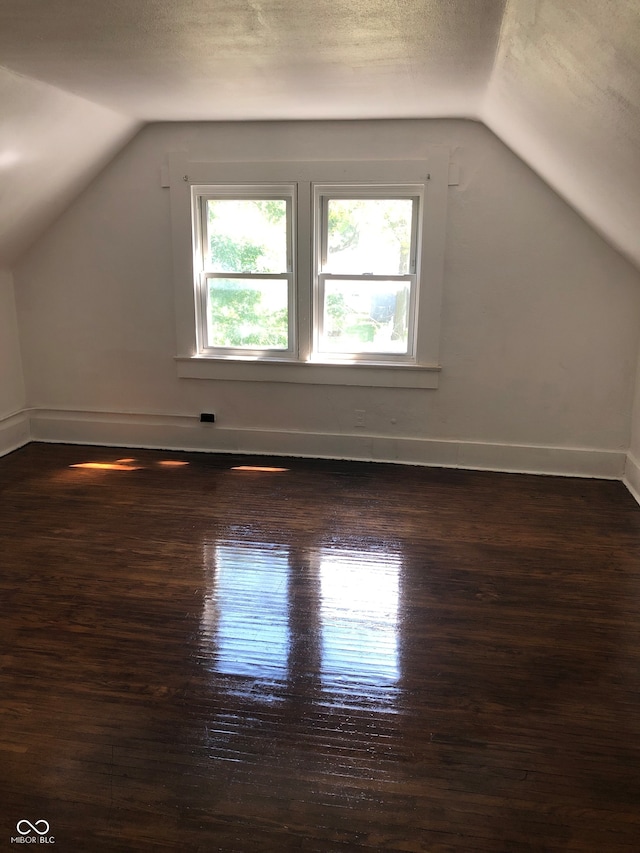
(361, 316)
(247, 314)
(369, 235)
(246, 235)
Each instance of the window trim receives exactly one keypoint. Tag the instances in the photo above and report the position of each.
(432, 171)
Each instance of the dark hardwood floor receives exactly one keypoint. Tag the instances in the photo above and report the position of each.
(332, 657)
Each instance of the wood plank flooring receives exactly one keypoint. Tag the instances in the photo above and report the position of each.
(332, 657)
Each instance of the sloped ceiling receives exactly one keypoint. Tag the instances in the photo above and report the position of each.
(559, 82)
(51, 145)
(565, 96)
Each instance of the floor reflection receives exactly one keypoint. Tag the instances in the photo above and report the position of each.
(245, 620)
(359, 617)
(276, 617)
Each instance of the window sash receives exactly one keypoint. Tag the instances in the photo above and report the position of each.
(202, 297)
(321, 351)
(203, 198)
(383, 192)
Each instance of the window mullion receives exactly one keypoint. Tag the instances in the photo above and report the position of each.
(303, 259)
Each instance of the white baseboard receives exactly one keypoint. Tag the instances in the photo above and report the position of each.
(177, 432)
(14, 431)
(631, 477)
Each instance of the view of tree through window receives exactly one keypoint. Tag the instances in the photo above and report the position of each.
(368, 235)
(247, 237)
(366, 240)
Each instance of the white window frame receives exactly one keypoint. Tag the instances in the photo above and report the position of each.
(323, 193)
(200, 195)
(421, 371)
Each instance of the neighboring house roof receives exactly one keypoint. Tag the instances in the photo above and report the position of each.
(557, 81)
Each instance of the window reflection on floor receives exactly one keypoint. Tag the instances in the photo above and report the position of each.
(359, 616)
(330, 613)
(246, 612)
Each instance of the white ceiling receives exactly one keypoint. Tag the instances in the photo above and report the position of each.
(258, 59)
(558, 81)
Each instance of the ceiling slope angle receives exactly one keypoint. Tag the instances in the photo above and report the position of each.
(51, 145)
(213, 60)
(565, 97)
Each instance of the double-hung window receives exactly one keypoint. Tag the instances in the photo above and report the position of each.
(312, 272)
(244, 270)
(367, 255)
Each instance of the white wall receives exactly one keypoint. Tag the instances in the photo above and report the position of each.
(13, 422)
(632, 467)
(539, 334)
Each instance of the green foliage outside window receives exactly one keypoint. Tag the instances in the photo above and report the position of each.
(239, 319)
(235, 255)
(247, 236)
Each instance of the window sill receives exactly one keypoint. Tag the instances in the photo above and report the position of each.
(310, 373)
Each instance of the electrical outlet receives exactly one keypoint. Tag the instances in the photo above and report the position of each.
(359, 416)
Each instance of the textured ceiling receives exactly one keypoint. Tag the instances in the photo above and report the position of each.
(565, 96)
(258, 59)
(558, 81)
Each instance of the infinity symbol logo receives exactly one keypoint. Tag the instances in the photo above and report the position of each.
(32, 827)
